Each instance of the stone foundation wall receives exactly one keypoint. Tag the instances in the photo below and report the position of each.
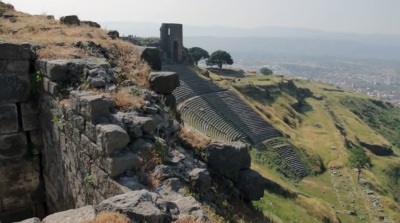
(76, 166)
(21, 191)
(91, 150)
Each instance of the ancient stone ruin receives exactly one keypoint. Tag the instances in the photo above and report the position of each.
(171, 41)
(222, 115)
(67, 150)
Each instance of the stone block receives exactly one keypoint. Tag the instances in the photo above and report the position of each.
(13, 145)
(251, 184)
(228, 157)
(91, 107)
(31, 220)
(70, 70)
(141, 205)
(111, 138)
(10, 51)
(8, 118)
(90, 131)
(74, 215)
(15, 201)
(20, 67)
(163, 82)
(17, 215)
(79, 123)
(30, 116)
(147, 124)
(19, 176)
(121, 162)
(36, 137)
(14, 87)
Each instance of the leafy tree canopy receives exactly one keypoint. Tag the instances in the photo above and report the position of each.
(266, 71)
(219, 58)
(358, 159)
(198, 54)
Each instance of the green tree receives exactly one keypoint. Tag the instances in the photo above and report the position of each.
(266, 71)
(198, 54)
(358, 159)
(219, 58)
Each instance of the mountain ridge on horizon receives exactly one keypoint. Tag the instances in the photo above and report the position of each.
(277, 42)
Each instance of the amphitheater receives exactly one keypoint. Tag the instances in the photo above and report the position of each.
(222, 115)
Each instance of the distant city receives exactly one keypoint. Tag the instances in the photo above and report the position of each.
(381, 80)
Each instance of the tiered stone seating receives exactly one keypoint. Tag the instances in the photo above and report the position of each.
(288, 154)
(222, 115)
(191, 84)
(198, 113)
(242, 116)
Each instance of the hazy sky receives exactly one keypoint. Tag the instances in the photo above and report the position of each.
(357, 16)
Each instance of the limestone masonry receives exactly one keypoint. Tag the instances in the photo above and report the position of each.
(63, 147)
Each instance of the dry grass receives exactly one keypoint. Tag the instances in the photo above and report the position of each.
(47, 33)
(110, 217)
(193, 139)
(124, 100)
(186, 219)
(317, 209)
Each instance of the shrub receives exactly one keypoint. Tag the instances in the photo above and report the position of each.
(266, 71)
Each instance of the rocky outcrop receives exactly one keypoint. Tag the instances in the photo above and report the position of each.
(91, 24)
(200, 179)
(251, 184)
(141, 205)
(163, 82)
(228, 157)
(74, 215)
(379, 150)
(113, 34)
(70, 20)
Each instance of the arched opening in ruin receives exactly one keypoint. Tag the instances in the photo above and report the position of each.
(175, 52)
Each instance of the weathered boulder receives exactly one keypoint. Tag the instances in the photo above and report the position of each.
(132, 183)
(99, 77)
(135, 125)
(152, 56)
(228, 157)
(169, 100)
(251, 184)
(162, 172)
(113, 34)
(70, 20)
(74, 215)
(189, 206)
(91, 24)
(140, 205)
(200, 179)
(163, 82)
(121, 162)
(30, 220)
(111, 138)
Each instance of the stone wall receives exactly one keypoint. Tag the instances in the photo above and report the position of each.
(21, 191)
(91, 150)
(76, 163)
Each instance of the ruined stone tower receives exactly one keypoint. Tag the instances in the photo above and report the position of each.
(171, 41)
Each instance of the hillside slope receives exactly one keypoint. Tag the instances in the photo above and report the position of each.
(326, 122)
